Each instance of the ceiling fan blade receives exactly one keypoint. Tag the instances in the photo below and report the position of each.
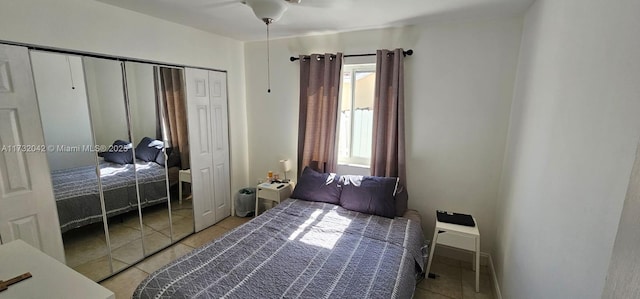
(221, 4)
(323, 3)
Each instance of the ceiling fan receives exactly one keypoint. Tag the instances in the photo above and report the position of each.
(269, 11)
(274, 9)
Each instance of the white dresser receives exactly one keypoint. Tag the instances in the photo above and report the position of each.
(50, 278)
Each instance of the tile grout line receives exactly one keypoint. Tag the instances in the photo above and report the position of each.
(461, 283)
(181, 242)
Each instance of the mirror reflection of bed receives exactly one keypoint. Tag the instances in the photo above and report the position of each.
(117, 139)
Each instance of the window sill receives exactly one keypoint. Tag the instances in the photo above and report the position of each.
(354, 169)
(354, 165)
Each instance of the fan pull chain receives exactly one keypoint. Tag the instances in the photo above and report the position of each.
(268, 63)
(70, 73)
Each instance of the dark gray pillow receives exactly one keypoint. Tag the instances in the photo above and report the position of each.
(118, 153)
(369, 194)
(160, 159)
(402, 200)
(119, 157)
(316, 186)
(173, 159)
(144, 152)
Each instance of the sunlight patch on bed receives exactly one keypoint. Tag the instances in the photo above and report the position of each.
(143, 166)
(325, 232)
(109, 171)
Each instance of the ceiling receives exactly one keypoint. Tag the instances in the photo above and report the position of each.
(233, 19)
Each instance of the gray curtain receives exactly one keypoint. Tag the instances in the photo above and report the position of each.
(319, 98)
(388, 151)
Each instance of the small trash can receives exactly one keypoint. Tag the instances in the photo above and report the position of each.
(245, 202)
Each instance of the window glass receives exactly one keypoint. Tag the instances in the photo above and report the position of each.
(356, 114)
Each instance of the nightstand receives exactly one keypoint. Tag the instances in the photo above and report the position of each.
(274, 192)
(184, 175)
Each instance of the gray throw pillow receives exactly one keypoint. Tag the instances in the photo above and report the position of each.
(317, 186)
(146, 153)
(369, 194)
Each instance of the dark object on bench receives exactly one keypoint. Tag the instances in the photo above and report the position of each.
(455, 218)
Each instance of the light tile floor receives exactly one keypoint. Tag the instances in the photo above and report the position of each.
(124, 283)
(86, 247)
(456, 279)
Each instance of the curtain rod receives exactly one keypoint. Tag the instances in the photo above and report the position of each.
(405, 53)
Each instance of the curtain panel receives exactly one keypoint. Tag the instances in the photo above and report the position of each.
(320, 77)
(172, 90)
(388, 150)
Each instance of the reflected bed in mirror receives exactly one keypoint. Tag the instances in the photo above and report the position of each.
(115, 163)
(156, 111)
(78, 197)
(114, 171)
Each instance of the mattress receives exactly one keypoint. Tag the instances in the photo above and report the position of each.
(77, 193)
(299, 249)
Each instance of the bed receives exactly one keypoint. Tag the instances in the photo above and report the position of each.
(299, 249)
(78, 198)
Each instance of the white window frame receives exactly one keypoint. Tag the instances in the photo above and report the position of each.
(351, 160)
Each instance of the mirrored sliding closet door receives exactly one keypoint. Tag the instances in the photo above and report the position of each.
(64, 109)
(117, 167)
(153, 92)
(117, 146)
(172, 107)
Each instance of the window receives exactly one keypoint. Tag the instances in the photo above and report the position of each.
(356, 114)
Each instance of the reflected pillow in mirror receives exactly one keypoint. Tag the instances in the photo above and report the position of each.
(144, 152)
(369, 194)
(120, 153)
(316, 186)
(160, 158)
(173, 158)
(119, 145)
(119, 157)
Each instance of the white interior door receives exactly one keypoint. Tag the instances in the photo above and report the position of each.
(221, 182)
(200, 144)
(27, 205)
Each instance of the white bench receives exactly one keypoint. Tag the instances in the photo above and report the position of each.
(458, 236)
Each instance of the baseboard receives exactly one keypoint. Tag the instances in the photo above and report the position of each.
(494, 277)
(466, 256)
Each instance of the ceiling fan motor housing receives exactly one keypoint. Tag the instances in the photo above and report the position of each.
(268, 10)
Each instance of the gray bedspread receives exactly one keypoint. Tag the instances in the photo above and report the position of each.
(78, 197)
(299, 249)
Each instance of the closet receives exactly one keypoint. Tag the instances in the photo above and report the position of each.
(118, 137)
(206, 93)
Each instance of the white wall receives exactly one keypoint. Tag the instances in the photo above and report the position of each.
(62, 100)
(624, 269)
(106, 100)
(142, 100)
(458, 90)
(97, 27)
(572, 138)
